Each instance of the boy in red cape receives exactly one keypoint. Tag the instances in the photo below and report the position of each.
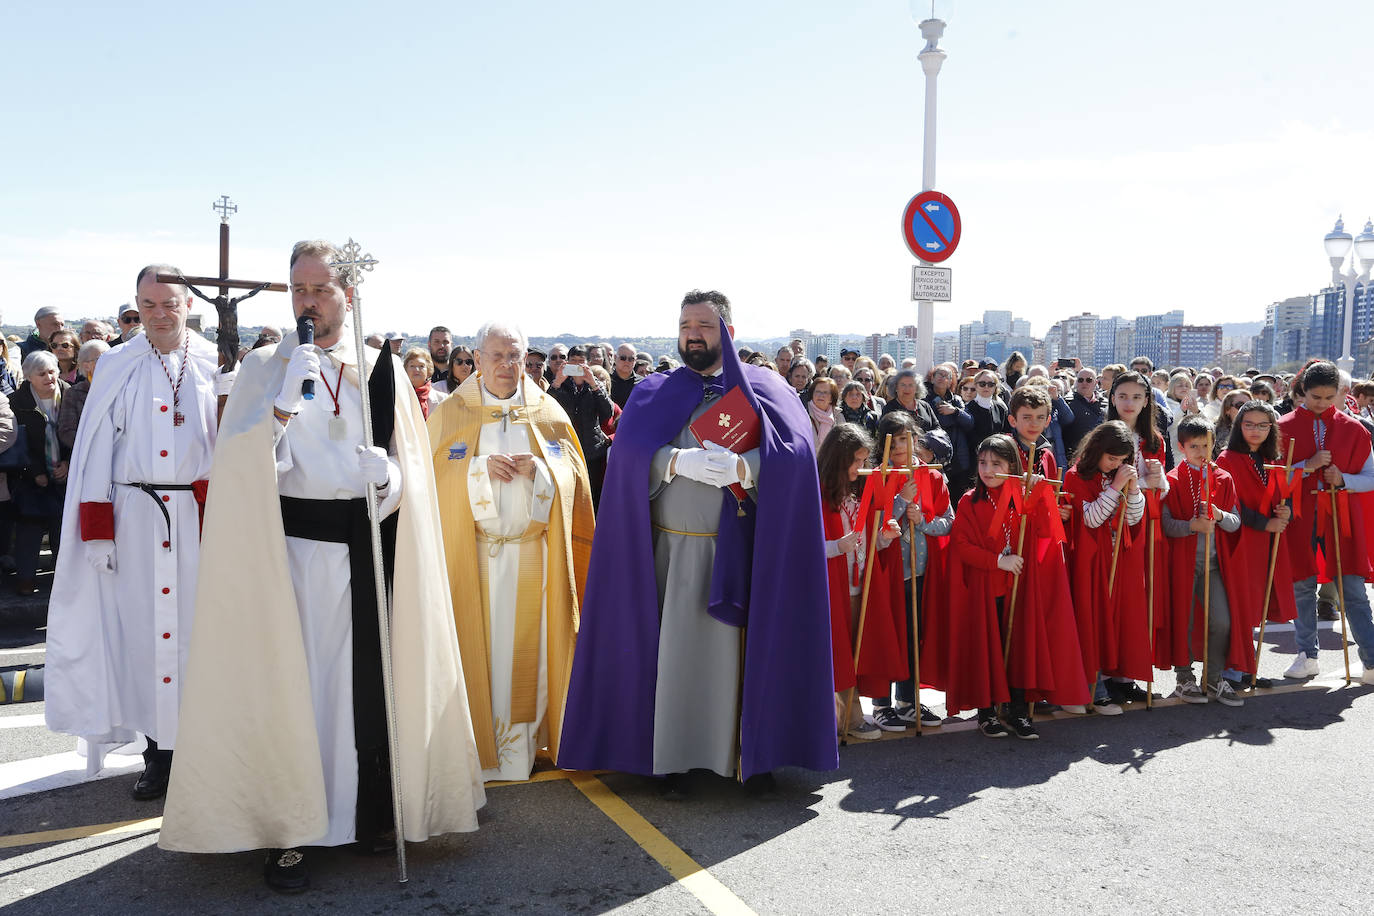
(1045, 660)
(1113, 618)
(1334, 450)
(848, 523)
(1250, 458)
(1202, 499)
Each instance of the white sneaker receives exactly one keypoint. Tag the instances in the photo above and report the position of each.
(1190, 692)
(1302, 668)
(865, 730)
(1223, 693)
(1368, 677)
(1074, 710)
(1106, 708)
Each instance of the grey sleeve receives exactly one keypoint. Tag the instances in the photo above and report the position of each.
(1252, 519)
(658, 470)
(939, 527)
(1362, 482)
(1174, 527)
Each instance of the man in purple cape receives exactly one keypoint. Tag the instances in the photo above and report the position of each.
(705, 633)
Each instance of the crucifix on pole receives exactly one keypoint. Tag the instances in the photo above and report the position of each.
(226, 308)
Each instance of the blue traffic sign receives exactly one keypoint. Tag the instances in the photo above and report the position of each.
(931, 226)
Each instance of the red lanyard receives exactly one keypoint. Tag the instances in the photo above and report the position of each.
(177, 417)
(338, 387)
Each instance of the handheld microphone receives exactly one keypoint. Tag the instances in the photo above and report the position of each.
(305, 331)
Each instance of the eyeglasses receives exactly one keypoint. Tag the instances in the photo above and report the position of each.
(499, 359)
(1225, 387)
(461, 362)
(966, 387)
(62, 346)
(1256, 427)
(622, 358)
(128, 319)
(986, 384)
(557, 359)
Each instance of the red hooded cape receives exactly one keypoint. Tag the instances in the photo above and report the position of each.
(882, 657)
(1113, 627)
(1171, 629)
(935, 589)
(1253, 493)
(1045, 658)
(1348, 443)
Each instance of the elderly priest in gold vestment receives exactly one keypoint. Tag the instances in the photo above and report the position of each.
(516, 503)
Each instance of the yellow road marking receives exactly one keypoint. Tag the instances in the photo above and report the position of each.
(715, 896)
(80, 833)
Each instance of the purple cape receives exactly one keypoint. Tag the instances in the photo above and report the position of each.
(774, 583)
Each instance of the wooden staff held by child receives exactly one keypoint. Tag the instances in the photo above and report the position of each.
(1287, 469)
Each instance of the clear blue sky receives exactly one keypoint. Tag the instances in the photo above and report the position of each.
(579, 165)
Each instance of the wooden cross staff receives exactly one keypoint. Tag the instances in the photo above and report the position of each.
(1340, 578)
(1287, 468)
(227, 336)
(1207, 473)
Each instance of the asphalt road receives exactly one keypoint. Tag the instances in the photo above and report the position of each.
(1183, 809)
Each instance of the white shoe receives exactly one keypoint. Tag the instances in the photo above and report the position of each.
(1106, 708)
(1074, 710)
(1302, 668)
(1368, 677)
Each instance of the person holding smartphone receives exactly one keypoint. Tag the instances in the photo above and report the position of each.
(588, 405)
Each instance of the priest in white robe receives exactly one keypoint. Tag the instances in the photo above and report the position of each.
(516, 500)
(123, 599)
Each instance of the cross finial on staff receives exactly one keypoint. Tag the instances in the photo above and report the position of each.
(225, 208)
(351, 262)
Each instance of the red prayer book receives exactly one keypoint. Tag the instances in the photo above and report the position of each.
(730, 422)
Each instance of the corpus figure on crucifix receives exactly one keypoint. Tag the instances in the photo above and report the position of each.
(294, 494)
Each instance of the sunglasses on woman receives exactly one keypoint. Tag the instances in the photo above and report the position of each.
(463, 362)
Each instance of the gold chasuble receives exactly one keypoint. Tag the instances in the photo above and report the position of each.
(502, 529)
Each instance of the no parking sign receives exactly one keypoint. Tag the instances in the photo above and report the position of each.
(931, 226)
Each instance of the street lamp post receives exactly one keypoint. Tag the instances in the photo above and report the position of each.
(1338, 244)
(931, 57)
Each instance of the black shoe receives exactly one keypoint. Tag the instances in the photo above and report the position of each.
(761, 785)
(285, 871)
(1326, 610)
(1021, 727)
(1124, 692)
(152, 785)
(990, 727)
(930, 719)
(674, 787)
(378, 845)
(1250, 681)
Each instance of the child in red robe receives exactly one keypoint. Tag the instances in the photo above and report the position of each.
(1045, 661)
(1107, 559)
(923, 507)
(1131, 400)
(1334, 449)
(881, 660)
(1202, 501)
(1264, 516)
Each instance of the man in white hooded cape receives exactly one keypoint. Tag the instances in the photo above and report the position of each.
(267, 755)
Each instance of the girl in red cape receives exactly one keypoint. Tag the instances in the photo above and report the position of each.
(1113, 619)
(1132, 402)
(1202, 498)
(1334, 450)
(922, 506)
(881, 659)
(1045, 660)
(1264, 516)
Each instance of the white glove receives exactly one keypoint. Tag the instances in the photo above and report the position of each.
(373, 466)
(102, 556)
(224, 382)
(713, 466)
(304, 364)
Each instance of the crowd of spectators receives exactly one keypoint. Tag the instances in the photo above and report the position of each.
(45, 377)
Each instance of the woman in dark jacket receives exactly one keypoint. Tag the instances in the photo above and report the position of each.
(989, 413)
(39, 489)
(909, 395)
(854, 407)
(955, 421)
